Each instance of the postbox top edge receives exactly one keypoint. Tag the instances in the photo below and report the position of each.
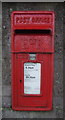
(33, 12)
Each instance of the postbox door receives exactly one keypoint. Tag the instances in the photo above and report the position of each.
(37, 94)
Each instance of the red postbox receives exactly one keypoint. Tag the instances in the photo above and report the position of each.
(32, 50)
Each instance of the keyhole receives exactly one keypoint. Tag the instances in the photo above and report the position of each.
(20, 81)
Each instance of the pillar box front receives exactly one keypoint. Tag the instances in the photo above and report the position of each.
(32, 51)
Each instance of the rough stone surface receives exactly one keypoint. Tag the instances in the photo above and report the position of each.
(57, 111)
(0, 60)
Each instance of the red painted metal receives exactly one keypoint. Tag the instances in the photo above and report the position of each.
(32, 32)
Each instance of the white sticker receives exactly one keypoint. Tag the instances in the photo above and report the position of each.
(32, 76)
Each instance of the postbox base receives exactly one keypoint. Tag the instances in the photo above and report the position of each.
(32, 109)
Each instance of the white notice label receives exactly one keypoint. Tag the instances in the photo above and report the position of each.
(32, 75)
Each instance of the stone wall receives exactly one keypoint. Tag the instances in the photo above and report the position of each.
(0, 60)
